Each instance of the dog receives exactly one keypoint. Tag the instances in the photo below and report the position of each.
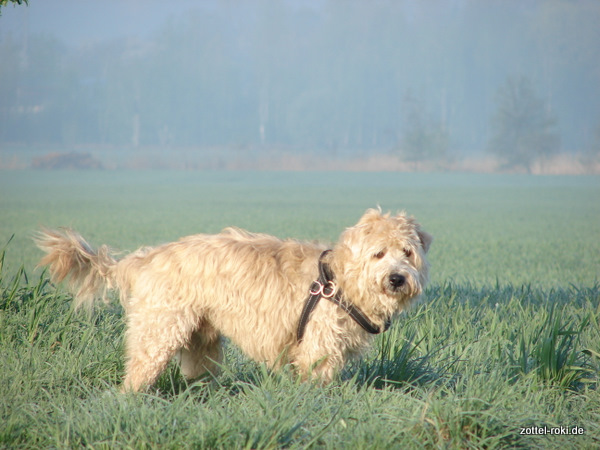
(281, 301)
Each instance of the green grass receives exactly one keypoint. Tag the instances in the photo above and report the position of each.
(508, 336)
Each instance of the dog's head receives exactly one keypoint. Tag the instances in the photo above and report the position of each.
(381, 261)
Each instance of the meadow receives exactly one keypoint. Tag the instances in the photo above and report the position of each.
(503, 351)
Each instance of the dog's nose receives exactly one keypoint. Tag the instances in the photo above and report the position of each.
(397, 280)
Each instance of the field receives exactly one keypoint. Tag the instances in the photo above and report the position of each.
(504, 347)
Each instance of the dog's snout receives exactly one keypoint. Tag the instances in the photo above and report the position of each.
(397, 280)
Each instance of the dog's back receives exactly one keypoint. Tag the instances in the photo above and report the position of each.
(198, 271)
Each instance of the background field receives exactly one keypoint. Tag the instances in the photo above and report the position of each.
(508, 335)
(517, 229)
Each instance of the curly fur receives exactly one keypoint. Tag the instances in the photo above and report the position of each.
(181, 298)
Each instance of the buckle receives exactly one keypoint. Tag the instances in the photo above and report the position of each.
(327, 291)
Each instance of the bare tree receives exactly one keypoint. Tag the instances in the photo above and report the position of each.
(523, 128)
(424, 138)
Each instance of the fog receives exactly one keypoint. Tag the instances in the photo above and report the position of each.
(198, 83)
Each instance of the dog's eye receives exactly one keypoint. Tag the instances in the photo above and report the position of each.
(379, 255)
(408, 252)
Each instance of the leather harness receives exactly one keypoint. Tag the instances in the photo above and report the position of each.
(324, 287)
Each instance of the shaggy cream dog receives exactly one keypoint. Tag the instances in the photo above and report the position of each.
(261, 292)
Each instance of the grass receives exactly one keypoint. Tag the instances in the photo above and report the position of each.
(507, 339)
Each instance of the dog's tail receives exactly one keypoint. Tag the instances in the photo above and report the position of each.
(90, 272)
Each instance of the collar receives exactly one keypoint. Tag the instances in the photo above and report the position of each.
(324, 287)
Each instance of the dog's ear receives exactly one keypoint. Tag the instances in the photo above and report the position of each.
(426, 240)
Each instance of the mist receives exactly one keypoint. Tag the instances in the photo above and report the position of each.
(295, 84)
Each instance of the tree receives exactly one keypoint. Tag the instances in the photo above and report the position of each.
(594, 150)
(424, 139)
(16, 2)
(523, 128)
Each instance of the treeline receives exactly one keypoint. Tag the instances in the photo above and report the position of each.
(426, 79)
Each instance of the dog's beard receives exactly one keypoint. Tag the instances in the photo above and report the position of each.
(403, 285)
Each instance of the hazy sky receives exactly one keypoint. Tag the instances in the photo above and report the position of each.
(79, 21)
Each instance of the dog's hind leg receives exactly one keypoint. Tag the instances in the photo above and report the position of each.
(153, 338)
(202, 353)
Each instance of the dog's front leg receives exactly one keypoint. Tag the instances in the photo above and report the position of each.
(315, 361)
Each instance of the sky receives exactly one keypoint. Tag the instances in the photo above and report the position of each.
(83, 21)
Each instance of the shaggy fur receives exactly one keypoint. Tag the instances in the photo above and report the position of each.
(181, 297)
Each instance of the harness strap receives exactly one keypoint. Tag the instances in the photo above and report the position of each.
(324, 287)
(359, 317)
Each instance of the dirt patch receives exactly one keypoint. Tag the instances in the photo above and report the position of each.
(70, 160)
